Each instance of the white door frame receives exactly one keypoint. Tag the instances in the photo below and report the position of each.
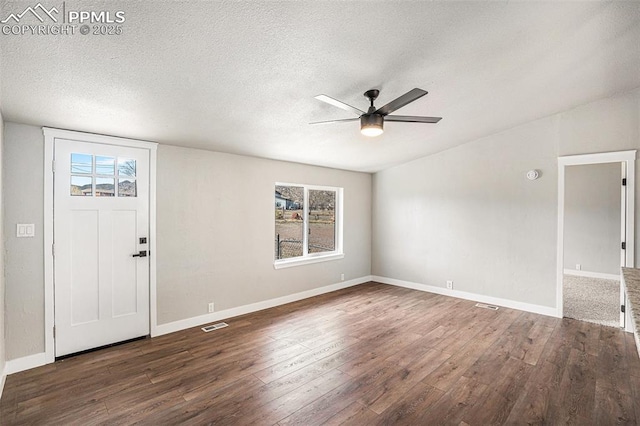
(50, 135)
(627, 158)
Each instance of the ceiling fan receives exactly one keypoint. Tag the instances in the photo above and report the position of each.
(372, 121)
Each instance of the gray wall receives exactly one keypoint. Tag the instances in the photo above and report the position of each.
(469, 214)
(216, 231)
(610, 124)
(592, 218)
(2, 256)
(23, 177)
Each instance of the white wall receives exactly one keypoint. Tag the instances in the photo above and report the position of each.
(592, 218)
(469, 214)
(216, 231)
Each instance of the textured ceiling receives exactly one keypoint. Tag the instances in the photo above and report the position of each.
(240, 77)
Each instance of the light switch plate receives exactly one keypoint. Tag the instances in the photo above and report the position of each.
(26, 230)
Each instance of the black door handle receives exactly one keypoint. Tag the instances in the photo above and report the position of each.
(142, 253)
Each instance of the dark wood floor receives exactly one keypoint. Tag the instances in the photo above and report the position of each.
(371, 354)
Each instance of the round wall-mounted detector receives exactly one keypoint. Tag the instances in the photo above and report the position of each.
(533, 174)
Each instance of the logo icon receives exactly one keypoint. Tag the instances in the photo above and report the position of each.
(33, 11)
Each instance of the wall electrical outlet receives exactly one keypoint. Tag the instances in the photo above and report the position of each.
(578, 266)
(341, 277)
(450, 284)
(211, 308)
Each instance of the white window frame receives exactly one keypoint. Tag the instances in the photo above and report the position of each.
(308, 258)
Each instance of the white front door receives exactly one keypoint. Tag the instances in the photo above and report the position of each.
(101, 220)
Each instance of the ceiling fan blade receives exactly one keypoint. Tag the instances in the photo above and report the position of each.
(403, 100)
(335, 121)
(339, 104)
(412, 119)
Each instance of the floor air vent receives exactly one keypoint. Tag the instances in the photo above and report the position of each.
(484, 305)
(212, 327)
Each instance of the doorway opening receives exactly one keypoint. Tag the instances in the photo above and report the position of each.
(100, 284)
(595, 239)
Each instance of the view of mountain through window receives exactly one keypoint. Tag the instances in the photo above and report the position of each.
(98, 176)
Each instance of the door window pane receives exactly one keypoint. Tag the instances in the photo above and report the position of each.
(105, 165)
(81, 186)
(104, 173)
(81, 163)
(126, 167)
(127, 188)
(105, 187)
(289, 205)
(322, 221)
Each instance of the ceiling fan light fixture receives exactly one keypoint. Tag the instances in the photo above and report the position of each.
(371, 124)
(372, 121)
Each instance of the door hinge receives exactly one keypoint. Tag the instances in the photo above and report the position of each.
(53, 250)
(54, 331)
(53, 166)
(624, 181)
(624, 245)
(622, 308)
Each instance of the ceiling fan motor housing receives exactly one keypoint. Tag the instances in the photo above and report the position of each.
(371, 120)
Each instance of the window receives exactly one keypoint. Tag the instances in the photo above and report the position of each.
(97, 176)
(308, 226)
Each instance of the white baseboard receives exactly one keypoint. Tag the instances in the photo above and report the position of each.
(522, 306)
(591, 274)
(25, 363)
(172, 327)
(37, 360)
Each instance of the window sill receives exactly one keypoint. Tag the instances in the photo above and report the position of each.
(280, 264)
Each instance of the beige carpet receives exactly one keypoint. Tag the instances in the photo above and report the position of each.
(592, 299)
